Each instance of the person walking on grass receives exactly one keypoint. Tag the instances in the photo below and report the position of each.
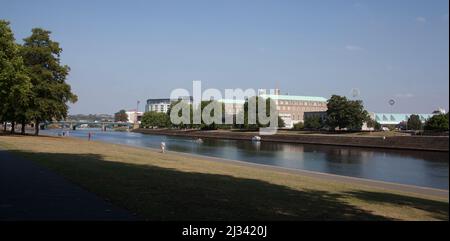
(163, 147)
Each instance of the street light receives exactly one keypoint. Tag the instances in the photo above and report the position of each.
(136, 112)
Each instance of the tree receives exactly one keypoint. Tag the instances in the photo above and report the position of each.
(313, 122)
(255, 102)
(183, 105)
(51, 93)
(343, 113)
(373, 124)
(281, 122)
(437, 123)
(298, 126)
(15, 86)
(121, 116)
(414, 123)
(155, 119)
(215, 106)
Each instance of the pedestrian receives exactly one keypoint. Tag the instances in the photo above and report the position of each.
(89, 136)
(163, 147)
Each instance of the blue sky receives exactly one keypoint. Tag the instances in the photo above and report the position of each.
(123, 51)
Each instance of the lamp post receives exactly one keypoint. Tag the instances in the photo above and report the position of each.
(136, 112)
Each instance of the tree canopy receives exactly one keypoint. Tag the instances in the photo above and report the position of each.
(344, 113)
(15, 85)
(121, 116)
(437, 123)
(414, 123)
(50, 92)
(313, 122)
(155, 119)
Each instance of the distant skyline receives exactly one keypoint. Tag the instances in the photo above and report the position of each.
(123, 51)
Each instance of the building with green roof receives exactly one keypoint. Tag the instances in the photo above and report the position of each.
(396, 118)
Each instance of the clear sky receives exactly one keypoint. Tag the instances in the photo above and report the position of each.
(124, 51)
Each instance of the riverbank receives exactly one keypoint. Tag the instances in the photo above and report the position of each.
(173, 186)
(425, 143)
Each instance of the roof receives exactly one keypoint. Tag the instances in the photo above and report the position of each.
(396, 118)
(295, 97)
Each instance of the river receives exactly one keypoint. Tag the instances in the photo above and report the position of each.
(421, 168)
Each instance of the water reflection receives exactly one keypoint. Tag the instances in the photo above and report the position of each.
(402, 166)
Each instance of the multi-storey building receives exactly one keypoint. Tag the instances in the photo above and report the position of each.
(292, 108)
(163, 105)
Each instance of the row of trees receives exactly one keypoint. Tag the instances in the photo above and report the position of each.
(438, 122)
(342, 113)
(162, 120)
(32, 79)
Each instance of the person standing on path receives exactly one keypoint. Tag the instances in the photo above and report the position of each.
(163, 147)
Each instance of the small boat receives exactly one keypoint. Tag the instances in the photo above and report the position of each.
(199, 141)
(256, 138)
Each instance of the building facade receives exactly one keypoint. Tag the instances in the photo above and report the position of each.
(232, 107)
(292, 108)
(162, 105)
(134, 116)
(396, 118)
(158, 105)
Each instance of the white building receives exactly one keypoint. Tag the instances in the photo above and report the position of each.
(134, 116)
(163, 105)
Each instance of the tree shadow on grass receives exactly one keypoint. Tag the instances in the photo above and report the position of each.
(167, 194)
(438, 210)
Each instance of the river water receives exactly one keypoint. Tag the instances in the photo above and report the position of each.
(422, 168)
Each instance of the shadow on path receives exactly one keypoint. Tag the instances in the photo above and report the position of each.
(31, 192)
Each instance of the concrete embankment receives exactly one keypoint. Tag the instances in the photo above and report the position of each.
(426, 143)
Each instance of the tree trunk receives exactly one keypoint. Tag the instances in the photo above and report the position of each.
(23, 127)
(36, 128)
(13, 127)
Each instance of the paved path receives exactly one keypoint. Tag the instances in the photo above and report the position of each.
(31, 192)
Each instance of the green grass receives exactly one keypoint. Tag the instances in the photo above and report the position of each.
(170, 186)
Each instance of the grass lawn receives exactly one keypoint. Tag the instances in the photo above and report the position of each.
(172, 186)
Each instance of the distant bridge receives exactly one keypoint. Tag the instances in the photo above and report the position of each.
(76, 124)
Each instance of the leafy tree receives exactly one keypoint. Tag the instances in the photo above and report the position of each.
(313, 122)
(183, 105)
(51, 93)
(212, 113)
(121, 116)
(414, 123)
(344, 113)
(281, 122)
(299, 126)
(155, 119)
(373, 124)
(255, 100)
(437, 123)
(15, 86)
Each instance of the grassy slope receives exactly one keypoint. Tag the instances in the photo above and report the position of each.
(176, 187)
